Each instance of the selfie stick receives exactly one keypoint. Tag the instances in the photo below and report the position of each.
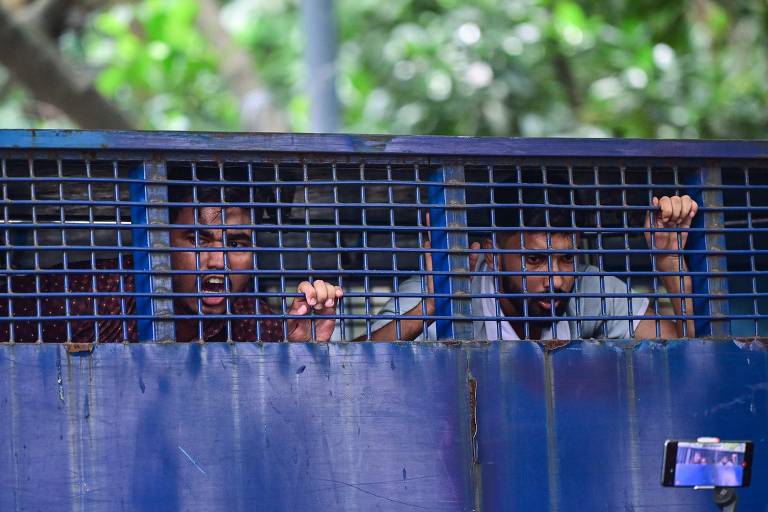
(725, 499)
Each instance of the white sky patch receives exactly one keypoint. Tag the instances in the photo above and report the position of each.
(439, 86)
(663, 56)
(479, 74)
(469, 33)
(636, 78)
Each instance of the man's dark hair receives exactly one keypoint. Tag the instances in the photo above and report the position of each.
(213, 190)
(541, 199)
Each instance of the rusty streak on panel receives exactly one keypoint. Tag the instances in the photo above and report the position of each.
(553, 458)
(476, 469)
(632, 422)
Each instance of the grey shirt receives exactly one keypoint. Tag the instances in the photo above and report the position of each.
(603, 310)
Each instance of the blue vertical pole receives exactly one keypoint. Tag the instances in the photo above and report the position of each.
(152, 281)
(714, 308)
(453, 256)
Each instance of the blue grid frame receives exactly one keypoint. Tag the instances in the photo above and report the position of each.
(441, 165)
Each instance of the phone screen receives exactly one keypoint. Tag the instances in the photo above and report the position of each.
(707, 464)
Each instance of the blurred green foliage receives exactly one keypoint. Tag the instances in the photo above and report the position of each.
(626, 68)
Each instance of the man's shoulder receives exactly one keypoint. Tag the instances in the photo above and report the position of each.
(592, 279)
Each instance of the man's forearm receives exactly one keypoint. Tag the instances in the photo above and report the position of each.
(678, 285)
(409, 329)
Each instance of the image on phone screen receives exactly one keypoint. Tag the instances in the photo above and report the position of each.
(716, 464)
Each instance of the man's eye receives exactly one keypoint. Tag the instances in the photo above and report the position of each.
(534, 259)
(568, 258)
(235, 244)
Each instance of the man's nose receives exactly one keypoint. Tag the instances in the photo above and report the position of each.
(555, 280)
(213, 260)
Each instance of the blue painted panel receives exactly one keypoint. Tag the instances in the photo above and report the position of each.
(369, 426)
(233, 427)
(583, 428)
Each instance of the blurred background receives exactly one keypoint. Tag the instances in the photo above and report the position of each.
(618, 68)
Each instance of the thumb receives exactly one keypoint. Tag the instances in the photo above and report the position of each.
(298, 307)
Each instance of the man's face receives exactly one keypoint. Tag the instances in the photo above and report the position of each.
(543, 289)
(226, 279)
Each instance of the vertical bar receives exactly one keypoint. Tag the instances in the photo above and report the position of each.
(7, 242)
(281, 243)
(393, 253)
(421, 221)
(751, 247)
(36, 244)
(680, 265)
(308, 240)
(652, 256)
(196, 221)
(254, 248)
(600, 249)
(92, 259)
(339, 264)
(452, 257)
(364, 244)
(715, 284)
(521, 218)
(152, 192)
(495, 245)
(120, 260)
(574, 242)
(65, 251)
(627, 257)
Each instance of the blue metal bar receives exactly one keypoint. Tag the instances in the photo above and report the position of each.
(152, 262)
(421, 145)
(714, 282)
(450, 193)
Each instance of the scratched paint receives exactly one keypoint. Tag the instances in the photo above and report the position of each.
(594, 424)
(370, 426)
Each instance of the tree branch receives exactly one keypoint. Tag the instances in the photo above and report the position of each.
(36, 64)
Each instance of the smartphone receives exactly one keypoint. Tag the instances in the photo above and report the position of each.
(707, 463)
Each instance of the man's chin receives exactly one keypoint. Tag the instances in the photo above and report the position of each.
(214, 307)
(545, 314)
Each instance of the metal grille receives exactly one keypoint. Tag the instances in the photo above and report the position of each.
(113, 237)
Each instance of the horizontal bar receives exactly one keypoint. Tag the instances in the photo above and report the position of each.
(368, 227)
(363, 272)
(316, 316)
(374, 182)
(377, 250)
(235, 296)
(159, 141)
(350, 205)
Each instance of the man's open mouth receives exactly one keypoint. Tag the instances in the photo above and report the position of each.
(214, 287)
(548, 303)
